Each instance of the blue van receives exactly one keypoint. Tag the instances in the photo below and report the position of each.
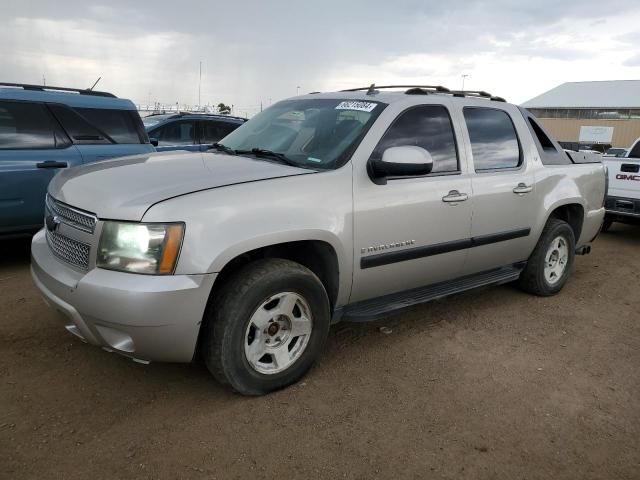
(195, 132)
(45, 129)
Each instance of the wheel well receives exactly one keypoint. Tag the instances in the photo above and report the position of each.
(573, 214)
(317, 256)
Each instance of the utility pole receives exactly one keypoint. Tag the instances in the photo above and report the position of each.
(298, 90)
(463, 78)
(44, 81)
(199, 83)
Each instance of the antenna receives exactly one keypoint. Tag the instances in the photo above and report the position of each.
(96, 82)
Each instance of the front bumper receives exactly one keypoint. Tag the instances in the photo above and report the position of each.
(146, 317)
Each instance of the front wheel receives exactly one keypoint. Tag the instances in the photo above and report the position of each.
(606, 225)
(266, 326)
(550, 264)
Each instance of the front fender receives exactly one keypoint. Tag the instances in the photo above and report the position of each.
(226, 222)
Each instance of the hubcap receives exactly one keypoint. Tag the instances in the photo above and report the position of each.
(555, 261)
(278, 333)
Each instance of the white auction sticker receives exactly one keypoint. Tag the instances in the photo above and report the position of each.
(355, 105)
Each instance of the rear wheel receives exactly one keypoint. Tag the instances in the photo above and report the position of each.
(550, 264)
(266, 326)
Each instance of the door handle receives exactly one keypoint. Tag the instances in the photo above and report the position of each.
(522, 188)
(454, 196)
(52, 164)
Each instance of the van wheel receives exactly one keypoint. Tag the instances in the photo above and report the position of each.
(606, 225)
(266, 327)
(550, 264)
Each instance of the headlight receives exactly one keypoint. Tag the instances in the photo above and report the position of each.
(150, 248)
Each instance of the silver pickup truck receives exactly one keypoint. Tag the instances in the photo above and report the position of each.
(325, 207)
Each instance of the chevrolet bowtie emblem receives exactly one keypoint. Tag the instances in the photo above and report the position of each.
(52, 222)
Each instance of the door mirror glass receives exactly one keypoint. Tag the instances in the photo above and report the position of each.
(407, 160)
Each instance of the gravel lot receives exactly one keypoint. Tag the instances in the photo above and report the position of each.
(489, 384)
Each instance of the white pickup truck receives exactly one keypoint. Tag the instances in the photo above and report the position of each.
(623, 198)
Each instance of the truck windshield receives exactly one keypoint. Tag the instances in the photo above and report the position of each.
(311, 133)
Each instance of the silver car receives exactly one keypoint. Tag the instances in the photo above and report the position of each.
(340, 206)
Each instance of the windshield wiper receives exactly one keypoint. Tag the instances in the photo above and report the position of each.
(261, 152)
(222, 148)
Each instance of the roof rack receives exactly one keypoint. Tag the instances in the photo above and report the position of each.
(43, 88)
(476, 93)
(182, 113)
(373, 87)
(428, 89)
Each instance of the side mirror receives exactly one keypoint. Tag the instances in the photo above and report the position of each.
(153, 141)
(408, 160)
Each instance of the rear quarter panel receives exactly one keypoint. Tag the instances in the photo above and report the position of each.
(584, 184)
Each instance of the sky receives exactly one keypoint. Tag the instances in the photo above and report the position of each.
(255, 52)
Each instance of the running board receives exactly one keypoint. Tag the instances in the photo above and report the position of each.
(376, 308)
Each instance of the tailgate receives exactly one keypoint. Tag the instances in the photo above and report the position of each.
(624, 177)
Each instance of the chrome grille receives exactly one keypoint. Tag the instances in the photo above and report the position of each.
(68, 249)
(72, 216)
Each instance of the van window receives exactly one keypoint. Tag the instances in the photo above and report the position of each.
(26, 126)
(429, 127)
(494, 143)
(118, 124)
(97, 126)
(635, 150)
(175, 133)
(212, 132)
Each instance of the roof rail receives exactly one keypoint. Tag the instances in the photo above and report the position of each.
(476, 93)
(182, 113)
(373, 87)
(43, 88)
(427, 89)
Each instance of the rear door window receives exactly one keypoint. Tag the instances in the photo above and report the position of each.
(97, 126)
(28, 126)
(120, 125)
(212, 131)
(175, 133)
(494, 143)
(79, 129)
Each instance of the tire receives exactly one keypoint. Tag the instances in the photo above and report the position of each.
(246, 319)
(606, 225)
(538, 277)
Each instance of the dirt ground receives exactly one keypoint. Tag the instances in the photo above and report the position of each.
(489, 384)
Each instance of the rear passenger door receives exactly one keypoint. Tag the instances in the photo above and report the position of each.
(503, 202)
(33, 148)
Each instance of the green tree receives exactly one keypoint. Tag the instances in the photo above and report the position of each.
(224, 109)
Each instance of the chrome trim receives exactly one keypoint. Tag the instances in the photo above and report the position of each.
(71, 216)
(69, 250)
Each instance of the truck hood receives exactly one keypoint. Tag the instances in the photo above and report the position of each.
(125, 188)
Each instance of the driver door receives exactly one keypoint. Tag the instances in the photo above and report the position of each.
(407, 232)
